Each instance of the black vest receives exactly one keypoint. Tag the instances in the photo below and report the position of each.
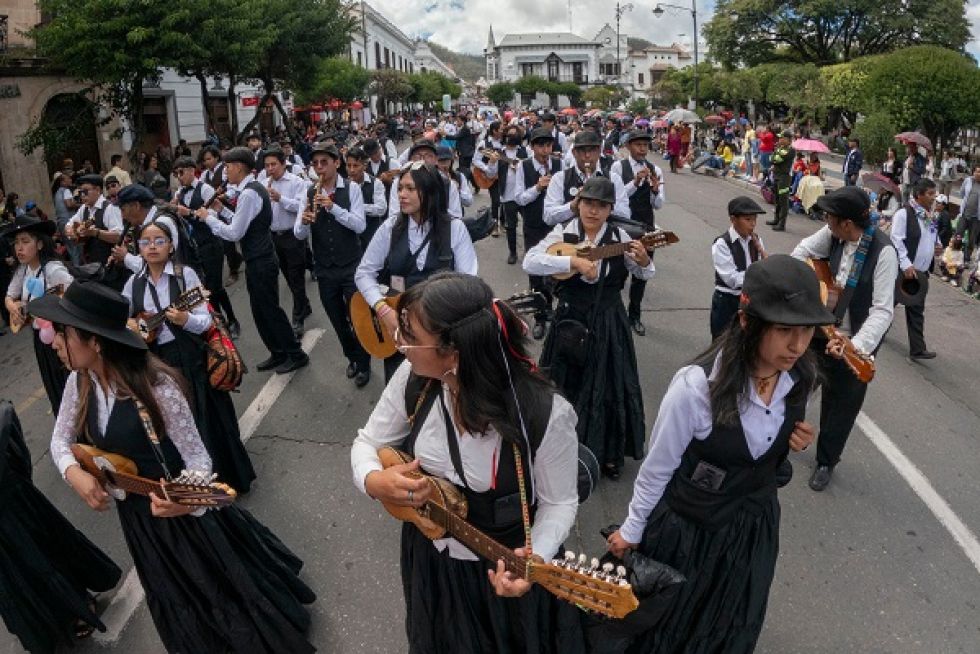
(533, 212)
(748, 483)
(913, 234)
(402, 263)
(367, 191)
(860, 305)
(334, 245)
(257, 241)
(555, 143)
(97, 250)
(738, 255)
(198, 229)
(503, 168)
(641, 206)
(216, 178)
(581, 295)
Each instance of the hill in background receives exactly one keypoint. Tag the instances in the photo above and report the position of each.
(467, 66)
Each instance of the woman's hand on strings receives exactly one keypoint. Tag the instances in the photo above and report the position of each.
(507, 584)
(396, 485)
(166, 509)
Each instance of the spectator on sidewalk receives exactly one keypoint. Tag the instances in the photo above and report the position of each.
(116, 171)
(915, 168)
(970, 211)
(891, 168)
(767, 144)
(947, 173)
(853, 162)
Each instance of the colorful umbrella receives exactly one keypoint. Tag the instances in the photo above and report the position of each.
(642, 122)
(915, 138)
(660, 124)
(714, 120)
(809, 145)
(357, 104)
(569, 111)
(682, 116)
(878, 182)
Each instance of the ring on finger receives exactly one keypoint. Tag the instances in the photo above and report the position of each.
(411, 495)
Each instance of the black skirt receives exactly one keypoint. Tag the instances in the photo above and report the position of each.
(605, 391)
(47, 568)
(218, 583)
(54, 375)
(722, 605)
(451, 608)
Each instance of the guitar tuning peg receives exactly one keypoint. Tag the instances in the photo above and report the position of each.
(582, 558)
(595, 564)
(569, 557)
(621, 571)
(607, 567)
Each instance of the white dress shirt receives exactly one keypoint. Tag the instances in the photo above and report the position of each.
(199, 319)
(923, 257)
(455, 208)
(248, 206)
(537, 261)
(184, 194)
(111, 217)
(721, 256)
(353, 218)
(817, 246)
(555, 461)
(292, 197)
(656, 199)
(509, 191)
(134, 261)
(685, 414)
(556, 210)
(54, 274)
(528, 194)
(378, 205)
(366, 277)
(478, 162)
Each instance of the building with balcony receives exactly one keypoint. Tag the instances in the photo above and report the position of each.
(555, 56)
(647, 66)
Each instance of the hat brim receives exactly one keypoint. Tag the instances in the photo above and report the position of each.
(643, 137)
(815, 316)
(585, 195)
(416, 148)
(49, 307)
(45, 227)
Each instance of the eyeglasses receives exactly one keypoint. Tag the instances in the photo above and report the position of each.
(159, 241)
(405, 348)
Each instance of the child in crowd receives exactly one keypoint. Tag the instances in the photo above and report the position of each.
(952, 263)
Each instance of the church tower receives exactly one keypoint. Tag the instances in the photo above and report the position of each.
(490, 54)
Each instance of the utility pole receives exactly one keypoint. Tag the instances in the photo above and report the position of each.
(620, 10)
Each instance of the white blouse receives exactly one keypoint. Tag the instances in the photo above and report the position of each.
(199, 318)
(54, 273)
(537, 261)
(554, 470)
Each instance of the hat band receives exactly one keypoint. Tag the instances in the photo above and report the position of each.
(98, 320)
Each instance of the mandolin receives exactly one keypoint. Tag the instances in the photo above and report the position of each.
(650, 240)
(482, 181)
(20, 318)
(602, 590)
(119, 476)
(148, 324)
(861, 364)
(376, 340)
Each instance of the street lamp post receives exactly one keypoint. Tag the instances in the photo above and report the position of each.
(658, 11)
(620, 10)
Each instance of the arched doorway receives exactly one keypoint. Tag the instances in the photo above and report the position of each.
(70, 119)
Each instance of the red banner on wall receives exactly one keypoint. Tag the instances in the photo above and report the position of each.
(250, 102)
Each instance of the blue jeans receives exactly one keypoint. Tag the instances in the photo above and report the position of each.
(73, 249)
(765, 160)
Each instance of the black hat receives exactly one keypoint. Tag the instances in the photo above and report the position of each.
(784, 291)
(541, 134)
(744, 206)
(638, 135)
(786, 134)
(422, 144)
(242, 155)
(93, 307)
(587, 139)
(134, 193)
(443, 153)
(253, 135)
(185, 162)
(548, 116)
(849, 202)
(111, 179)
(370, 146)
(94, 180)
(598, 188)
(329, 150)
(27, 223)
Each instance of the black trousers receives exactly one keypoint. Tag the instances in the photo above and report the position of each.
(782, 207)
(543, 284)
(724, 306)
(262, 282)
(336, 289)
(495, 202)
(465, 164)
(915, 322)
(291, 254)
(842, 397)
(510, 222)
(234, 258)
(973, 226)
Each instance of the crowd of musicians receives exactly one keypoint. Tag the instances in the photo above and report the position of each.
(464, 399)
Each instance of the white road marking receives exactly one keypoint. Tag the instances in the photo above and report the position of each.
(920, 486)
(130, 594)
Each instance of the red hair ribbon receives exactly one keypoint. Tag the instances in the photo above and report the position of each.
(503, 328)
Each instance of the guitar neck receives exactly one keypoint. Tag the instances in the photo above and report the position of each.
(607, 251)
(181, 304)
(477, 541)
(132, 484)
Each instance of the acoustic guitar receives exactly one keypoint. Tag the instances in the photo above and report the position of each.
(20, 318)
(482, 181)
(376, 340)
(861, 364)
(650, 240)
(118, 475)
(602, 590)
(148, 325)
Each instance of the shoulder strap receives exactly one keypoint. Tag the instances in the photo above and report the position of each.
(419, 399)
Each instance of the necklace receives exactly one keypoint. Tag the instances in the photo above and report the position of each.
(762, 383)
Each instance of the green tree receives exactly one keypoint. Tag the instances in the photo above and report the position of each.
(570, 90)
(390, 85)
(501, 93)
(449, 87)
(336, 77)
(638, 106)
(427, 87)
(799, 88)
(601, 96)
(529, 86)
(877, 133)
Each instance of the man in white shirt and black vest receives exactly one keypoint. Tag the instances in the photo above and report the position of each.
(502, 165)
(643, 183)
(372, 191)
(250, 224)
(558, 143)
(732, 253)
(560, 204)
(97, 224)
(915, 234)
(864, 265)
(213, 174)
(492, 141)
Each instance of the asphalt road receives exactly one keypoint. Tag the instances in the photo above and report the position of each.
(865, 566)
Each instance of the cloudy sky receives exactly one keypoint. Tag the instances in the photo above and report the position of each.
(462, 24)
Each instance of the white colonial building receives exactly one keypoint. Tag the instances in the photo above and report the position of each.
(555, 56)
(426, 60)
(648, 65)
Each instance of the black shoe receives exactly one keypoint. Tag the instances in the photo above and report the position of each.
(611, 470)
(294, 363)
(274, 361)
(537, 332)
(351, 370)
(923, 355)
(638, 326)
(512, 258)
(362, 377)
(298, 329)
(779, 228)
(770, 222)
(821, 477)
(234, 330)
(306, 313)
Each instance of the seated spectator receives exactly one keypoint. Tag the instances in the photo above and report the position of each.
(953, 261)
(813, 166)
(943, 222)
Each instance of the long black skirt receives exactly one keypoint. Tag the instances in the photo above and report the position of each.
(47, 568)
(218, 583)
(214, 415)
(54, 375)
(452, 609)
(722, 605)
(605, 391)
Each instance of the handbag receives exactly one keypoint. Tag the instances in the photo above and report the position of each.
(225, 365)
(480, 226)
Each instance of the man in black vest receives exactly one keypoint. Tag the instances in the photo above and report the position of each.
(373, 193)
(558, 143)
(492, 141)
(208, 249)
(643, 183)
(465, 146)
(97, 224)
(213, 174)
(869, 302)
(560, 203)
(333, 217)
(250, 224)
(533, 176)
(732, 253)
(502, 164)
(915, 235)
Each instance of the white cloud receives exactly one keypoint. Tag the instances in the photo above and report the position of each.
(973, 15)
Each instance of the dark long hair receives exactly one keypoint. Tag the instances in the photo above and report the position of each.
(433, 210)
(739, 348)
(460, 309)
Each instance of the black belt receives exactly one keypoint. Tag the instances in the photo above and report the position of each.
(282, 231)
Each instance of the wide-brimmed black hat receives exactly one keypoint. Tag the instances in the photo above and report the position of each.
(422, 144)
(598, 188)
(784, 291)
(135, 193)
(744, 206)
(323, 148)
(28, 223)
(541, 134)
(638, 135)
(240, 154)
(443, 153)
(848, 202)
(93, 307)
(91, 178)
(587, 139)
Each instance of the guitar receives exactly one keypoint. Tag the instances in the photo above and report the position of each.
(20, 318)
(480, 178)
(148, 325)
(861, 364)
(119, 476)
(602, 590)
(376, 340)
(650, 240)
